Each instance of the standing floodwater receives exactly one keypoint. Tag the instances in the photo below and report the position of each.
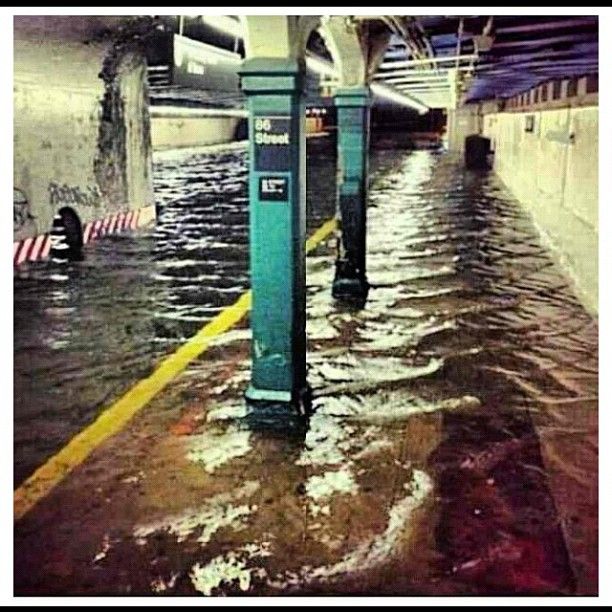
(86, 331)
(453, 444)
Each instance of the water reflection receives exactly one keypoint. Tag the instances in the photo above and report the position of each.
(453, 443)
(88, 331)
(430, 447)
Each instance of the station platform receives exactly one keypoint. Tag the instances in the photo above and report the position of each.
(452, 448)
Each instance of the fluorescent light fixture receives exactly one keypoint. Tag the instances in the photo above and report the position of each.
(318, 65)
(393, 95)
(321, 66)
(180, 111)
(199, 54)
(421, 73)
(326, 68)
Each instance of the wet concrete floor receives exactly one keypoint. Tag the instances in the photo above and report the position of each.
(452, 449)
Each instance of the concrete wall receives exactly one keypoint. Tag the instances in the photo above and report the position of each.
(465, 120)
(553, 172)
(173, 130)
(462, 122)
(81, 128)
(178, 127)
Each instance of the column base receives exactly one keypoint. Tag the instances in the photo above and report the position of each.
(280, 402)
(349, 287)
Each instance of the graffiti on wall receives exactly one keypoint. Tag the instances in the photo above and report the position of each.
(21, 210)
(74, 196)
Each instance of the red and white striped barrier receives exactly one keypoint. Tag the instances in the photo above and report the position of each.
(112, 225)
(38, 247)
(31, 249)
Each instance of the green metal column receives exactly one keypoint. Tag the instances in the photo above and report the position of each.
(353, 114)
(277, 202)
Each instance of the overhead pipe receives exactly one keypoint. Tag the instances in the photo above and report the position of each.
(437, 59)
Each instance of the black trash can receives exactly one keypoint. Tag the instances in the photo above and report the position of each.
(477, 149)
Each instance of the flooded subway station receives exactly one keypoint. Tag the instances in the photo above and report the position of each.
(341, 341)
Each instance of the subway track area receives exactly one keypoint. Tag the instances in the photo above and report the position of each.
(453, 443)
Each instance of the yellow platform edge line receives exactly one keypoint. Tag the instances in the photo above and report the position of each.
(116, 416)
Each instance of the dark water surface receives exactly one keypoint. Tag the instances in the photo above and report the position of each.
(85, 332)
(453, 446)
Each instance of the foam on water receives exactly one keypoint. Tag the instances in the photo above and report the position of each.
(214, 449)
(229, 569)
(214, 513)
(330, 484)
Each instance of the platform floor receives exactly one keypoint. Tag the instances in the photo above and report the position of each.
(452, 450)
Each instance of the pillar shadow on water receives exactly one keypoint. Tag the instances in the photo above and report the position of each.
(350, 297)
(351, 294)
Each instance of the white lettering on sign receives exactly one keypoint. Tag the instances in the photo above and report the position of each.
(271, 139)
(262, 124)
(266, 132)
(272, 143)
(273, 188)
(271, 185)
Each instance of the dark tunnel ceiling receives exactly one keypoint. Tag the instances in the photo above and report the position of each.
(525, 50)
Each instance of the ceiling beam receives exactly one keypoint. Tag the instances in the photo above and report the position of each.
(437, 59)
(416, 79)
(459, 41)
(545, 41)
(420, 73)
(537, 63)
(549, 25)
(579, 50)
(425, 89)
(543, 69)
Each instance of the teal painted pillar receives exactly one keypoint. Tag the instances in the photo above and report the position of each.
(353, 117)
(277, 217)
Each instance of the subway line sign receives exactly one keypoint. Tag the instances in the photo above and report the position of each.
(273, 188)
